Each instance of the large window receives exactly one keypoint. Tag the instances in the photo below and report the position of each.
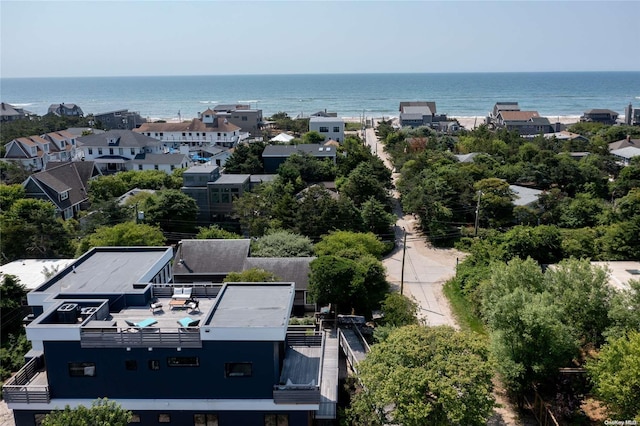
(82, 369)
(276, 420)
(205, 420)
(336, 129)
(238, 369)
(324, 129)
(183, 361)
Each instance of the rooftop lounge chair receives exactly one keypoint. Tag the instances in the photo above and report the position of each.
(182, 293)
(142, 324)
(188, 322)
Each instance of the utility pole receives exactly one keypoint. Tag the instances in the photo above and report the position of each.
(477, 214)
(404, 252)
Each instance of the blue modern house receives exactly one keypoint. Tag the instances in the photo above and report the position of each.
(112, 324)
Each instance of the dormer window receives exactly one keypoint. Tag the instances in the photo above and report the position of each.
(64, 195)
(113, 141)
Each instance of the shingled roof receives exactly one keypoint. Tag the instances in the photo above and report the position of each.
(125, 139)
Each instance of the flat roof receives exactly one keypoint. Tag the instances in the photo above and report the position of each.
(251, 311)
(226, 179)
(105, 270)
(30, 272)
(621, 272)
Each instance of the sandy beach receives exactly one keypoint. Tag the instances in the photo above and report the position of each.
(470, 123)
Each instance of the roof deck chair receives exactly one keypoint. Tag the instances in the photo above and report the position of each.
(141, 324)
(155, 306)
(182, 293)
(194, 305)
(188, 322)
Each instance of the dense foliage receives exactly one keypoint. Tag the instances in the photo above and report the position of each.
(101, 413)
(424, 375)
(282, 244)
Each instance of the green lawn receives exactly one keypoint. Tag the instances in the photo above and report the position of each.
(462, 310)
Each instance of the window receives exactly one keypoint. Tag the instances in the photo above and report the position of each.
(154, 364)
(90, 150)
(336, 129)
(205, 420)
(64, 195)
(161, 134)
(244, 118)
(110, 151)
(238, 369)
(189, 133)
(173, 167)
(155, 167)
(135, 418)
(276, 420)
(184, 134)
(183, 361)
(120, 151)
(324, 129)
(139, 166)
(82, 369)
(133, 151)
(99, 151)
(131, 364)
(164, 418)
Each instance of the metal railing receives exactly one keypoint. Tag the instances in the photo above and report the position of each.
(351, 356)
(18, 390)
(188, 337)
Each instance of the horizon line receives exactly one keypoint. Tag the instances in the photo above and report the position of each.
(319, 74)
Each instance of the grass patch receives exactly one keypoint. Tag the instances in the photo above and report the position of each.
(349, 126)
(462, 309)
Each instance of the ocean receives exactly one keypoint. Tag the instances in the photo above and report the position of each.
(350, 95)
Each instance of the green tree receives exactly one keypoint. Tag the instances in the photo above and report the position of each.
(425, 376)
(214, 232)
(496, 201)
(101, 413)
(615, 373)
(12, 173)
(625, 311)
(10, 194)
(361, 185)
(352, 245)
(172, 210)
(399, 310)
(542, 243)
(12, 292)
(313, 137)
(253, 275)
(31, 228)
(529, 337)
(350, 285)
(583, 292)
(307, 168)
(282, 244)
(246, 158)
(376, 219)
(123, 234)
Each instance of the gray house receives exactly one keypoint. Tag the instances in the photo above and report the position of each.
(63, 184)
(120, 119)
(10, 113)
(213, 191)
(274, 155)
(206, 263)
(242, 115)
(604, 116)
(65, 110)
(418, 113)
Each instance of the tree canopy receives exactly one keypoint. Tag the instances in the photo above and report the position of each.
(282, 244)
(425, 376)
(123, 234)
(253, 275)
(101, 413)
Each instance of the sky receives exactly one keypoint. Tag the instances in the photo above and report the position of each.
(144, 38)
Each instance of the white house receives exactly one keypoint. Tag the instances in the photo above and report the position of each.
(329, 127)
(115, 150)
(165, 162)
(206, 131)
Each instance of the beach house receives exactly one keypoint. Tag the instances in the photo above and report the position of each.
(65, 110)
(331, 128)
(604, 116)
(207, 130)
(64, 184)
(167, 352)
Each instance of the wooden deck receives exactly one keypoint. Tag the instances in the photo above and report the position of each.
(329, 383)
(301, 365)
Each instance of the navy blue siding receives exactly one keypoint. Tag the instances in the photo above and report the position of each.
(271, 164)
(185, 418)
(208, 380)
